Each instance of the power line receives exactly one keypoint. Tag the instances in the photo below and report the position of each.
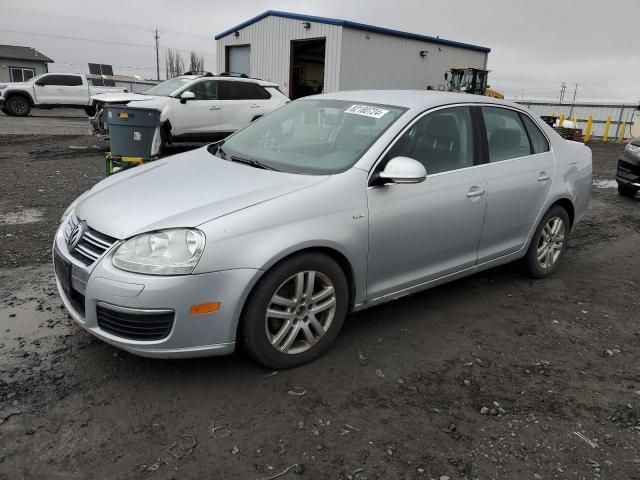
(105, 42)
(105, 22)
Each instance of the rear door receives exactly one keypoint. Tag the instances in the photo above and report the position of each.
(519, 174)
(241, 101)
(199, 117)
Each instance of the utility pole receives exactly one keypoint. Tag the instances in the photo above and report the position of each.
(575, 92)
(563, 87)
(156, 36)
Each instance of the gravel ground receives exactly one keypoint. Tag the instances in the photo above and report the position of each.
(493, 376)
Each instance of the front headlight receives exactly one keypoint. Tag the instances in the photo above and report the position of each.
(71, 208)
(167, 252)
(633, 150)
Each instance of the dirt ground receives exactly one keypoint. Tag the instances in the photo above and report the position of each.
(400, 396)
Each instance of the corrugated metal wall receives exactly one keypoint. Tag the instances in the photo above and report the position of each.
(373, 60)
(618, 112)
(270, 41)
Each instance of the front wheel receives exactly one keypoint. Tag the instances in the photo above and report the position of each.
(548, 243)
(296, 311)
(18, 106)
(627, 190)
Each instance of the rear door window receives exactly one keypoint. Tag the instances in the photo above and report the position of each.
(506, 135)
(230, 90)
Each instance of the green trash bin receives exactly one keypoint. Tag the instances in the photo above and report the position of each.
(134, 132)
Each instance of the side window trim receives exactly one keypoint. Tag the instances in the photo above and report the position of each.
(526, 130)
(481, 146)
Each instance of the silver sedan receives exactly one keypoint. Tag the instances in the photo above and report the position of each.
(331, 204)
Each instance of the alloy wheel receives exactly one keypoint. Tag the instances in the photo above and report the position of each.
(300, 312)
(551, 242)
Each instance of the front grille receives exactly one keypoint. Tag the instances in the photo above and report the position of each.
(135, 325)
(92, 244)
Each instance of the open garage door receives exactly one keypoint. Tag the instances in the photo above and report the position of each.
(239, 59)
(307, 67)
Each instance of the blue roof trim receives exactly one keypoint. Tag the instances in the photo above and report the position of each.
(354, 25)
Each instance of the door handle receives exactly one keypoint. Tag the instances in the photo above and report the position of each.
(255, 106)
(544, 176)
(215, 107)
(475, 192)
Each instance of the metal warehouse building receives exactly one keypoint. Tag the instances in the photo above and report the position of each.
(307, 55)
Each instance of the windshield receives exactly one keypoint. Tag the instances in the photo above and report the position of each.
(311, 136)
(164, 89)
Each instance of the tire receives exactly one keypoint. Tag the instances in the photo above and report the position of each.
(627, 190)
(260, 330)
(18, 106)
(543, 267)
(5, 111)
(90, 111)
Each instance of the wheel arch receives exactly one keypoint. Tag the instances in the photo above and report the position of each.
(567, 204)
(12, 93)
(335, 254)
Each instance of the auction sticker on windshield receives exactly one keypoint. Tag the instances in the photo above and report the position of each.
(367, 111)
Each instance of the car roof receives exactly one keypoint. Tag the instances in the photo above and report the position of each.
(412, 99)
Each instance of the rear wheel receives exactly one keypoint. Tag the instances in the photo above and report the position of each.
(627, 190)
(18, 106)
(296, 311)
(548, 243)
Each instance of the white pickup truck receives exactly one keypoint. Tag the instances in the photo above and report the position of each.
(51, 90)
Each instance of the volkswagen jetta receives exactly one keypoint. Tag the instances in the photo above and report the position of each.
(330, 204)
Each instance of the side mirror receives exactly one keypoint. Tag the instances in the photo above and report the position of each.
(187, 96)
(403, 170)
(40, 83)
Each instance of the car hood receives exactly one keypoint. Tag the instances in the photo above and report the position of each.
(119, 97)
(184, 190)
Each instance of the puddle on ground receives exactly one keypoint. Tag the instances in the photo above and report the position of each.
(605, 184)
(28, 323)
(27, 215)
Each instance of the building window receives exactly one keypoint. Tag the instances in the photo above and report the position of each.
(20, 74)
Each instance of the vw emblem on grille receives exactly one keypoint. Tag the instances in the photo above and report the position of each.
(76, 235)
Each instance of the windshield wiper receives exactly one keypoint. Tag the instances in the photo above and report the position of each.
(252, 163)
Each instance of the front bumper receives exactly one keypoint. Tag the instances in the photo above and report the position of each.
(628, 172)
(189, 335)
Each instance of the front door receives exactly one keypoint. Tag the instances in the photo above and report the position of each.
(520, 173)
(51, 90)
(421, 232)
(199, 117)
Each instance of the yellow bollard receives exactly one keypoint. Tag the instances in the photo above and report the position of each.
(587, 134)
(605, 135)
(621, 135)
(560, 120)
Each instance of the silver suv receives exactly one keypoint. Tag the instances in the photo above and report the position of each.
(330, 204)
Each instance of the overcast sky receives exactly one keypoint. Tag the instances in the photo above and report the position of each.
(536, 45)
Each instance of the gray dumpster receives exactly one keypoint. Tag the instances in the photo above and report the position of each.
(134, 132)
